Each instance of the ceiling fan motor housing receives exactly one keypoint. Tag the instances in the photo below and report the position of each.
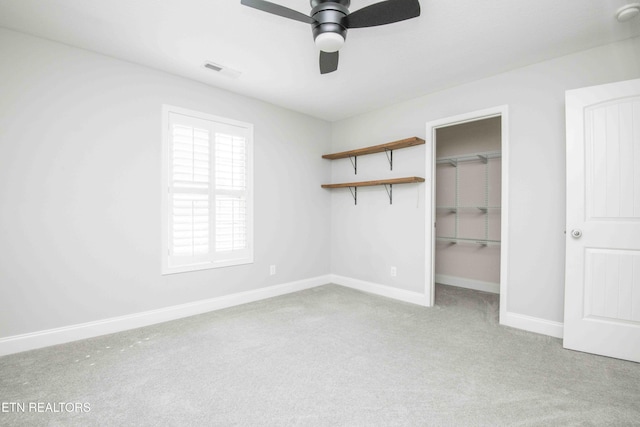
(329, 16)
(330, 19)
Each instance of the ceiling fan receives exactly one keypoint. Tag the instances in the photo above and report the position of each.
(330, 20)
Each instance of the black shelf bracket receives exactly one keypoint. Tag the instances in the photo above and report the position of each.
(354, 193)
(389, 189)
(389, 154)
(354, 162)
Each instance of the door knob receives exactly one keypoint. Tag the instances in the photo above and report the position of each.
(576, 233)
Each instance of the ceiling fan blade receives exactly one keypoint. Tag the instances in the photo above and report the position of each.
(385, 12)
(328, 62)
(276, 9)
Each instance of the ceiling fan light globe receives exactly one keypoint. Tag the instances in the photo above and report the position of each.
(329, 42)
(628, 12)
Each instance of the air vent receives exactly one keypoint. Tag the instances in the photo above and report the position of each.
(213, 67)
(220, 69)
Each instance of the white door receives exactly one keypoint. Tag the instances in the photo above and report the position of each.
(602, 289)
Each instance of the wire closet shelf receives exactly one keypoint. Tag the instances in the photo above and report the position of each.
(456, 209)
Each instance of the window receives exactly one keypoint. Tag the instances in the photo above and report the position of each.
(207, 191)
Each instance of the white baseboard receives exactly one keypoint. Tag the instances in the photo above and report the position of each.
(514, 320)
(532, 324)
(462, 282)
(33, 340)
(382, 290)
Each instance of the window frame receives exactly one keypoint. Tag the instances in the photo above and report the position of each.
(215, 260)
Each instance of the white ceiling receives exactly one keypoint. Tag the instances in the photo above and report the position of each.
(452, 42)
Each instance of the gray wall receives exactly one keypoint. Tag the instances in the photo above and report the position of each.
(472, 137)
(80, 185)
(80, 141)
(535, 96)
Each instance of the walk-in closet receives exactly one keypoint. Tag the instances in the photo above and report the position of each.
(468, 205)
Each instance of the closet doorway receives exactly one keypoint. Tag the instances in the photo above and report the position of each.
(467, 232)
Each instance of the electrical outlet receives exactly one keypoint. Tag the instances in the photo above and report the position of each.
(394, 272)
(272, 270)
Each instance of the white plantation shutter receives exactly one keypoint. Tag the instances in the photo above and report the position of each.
(208, 201)
(189, 186)
(231, 230)
(231, 192)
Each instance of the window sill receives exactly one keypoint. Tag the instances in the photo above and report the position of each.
(166, 270)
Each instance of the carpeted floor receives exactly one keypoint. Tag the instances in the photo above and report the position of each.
(327, 356)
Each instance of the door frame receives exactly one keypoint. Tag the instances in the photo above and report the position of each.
(430, 172)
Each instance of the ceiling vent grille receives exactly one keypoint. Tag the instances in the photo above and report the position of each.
(213, 67)
(225, 71)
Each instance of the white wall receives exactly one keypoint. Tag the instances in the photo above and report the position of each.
(535, 96)
(80, 141)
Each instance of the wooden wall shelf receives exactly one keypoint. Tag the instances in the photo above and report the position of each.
(382, 148)
(395, 145)
(392, 181)
(353, 186)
